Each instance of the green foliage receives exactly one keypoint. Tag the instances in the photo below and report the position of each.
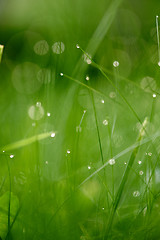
(79, 117)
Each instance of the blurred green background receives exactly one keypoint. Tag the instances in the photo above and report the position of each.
(56, 132)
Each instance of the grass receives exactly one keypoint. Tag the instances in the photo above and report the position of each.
(79, 146)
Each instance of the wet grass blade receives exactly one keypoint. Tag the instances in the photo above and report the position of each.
(25, 142)
(123, 182)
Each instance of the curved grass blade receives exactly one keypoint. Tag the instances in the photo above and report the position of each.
(25, 142)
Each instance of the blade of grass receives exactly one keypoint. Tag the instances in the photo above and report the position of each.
(122, 184)
(25, 142)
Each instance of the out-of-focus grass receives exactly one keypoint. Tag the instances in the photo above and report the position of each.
(71, 164)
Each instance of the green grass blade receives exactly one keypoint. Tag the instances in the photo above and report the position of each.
(25, 142)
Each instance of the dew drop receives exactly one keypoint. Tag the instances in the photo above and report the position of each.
(53, 134)
(112, 161)
(115, 63)
(141, 173)
(136, 194)
(105, 122)
(102, 101)
(61, 74)
(77, 46)
(159, 64)
(46, 162)
(150, 154)
(68, 151)
(11, 156)
(87, 78)
(3, 151)
(58, 47)
(154, 95)
(38, 104)
(48, 114)
(139, 162)
(87, 58)
(102, 208)
(89, 167)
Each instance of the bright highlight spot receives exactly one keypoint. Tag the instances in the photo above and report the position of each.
(115, 63)
(11, 156)
(105, 122)
(87, 58)
(112, 161)
(87, 78)
(136, 194)
(53, 135)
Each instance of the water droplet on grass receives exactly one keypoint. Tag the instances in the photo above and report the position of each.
(46, 162)
(11, 156)
(48, 114)
(41, 48)
(53, 134)
(77, 46)
(87, 58)
(61, 74)
(89, 167)
(141, 173)
(112, 161)
(58, 47)
(87, 78)
(68, 151)
(105, 122)
(115, 63)
(154, 95)
(102, 101)
(150, 154)
(38, 104)
(139, 162)
(136, 194)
